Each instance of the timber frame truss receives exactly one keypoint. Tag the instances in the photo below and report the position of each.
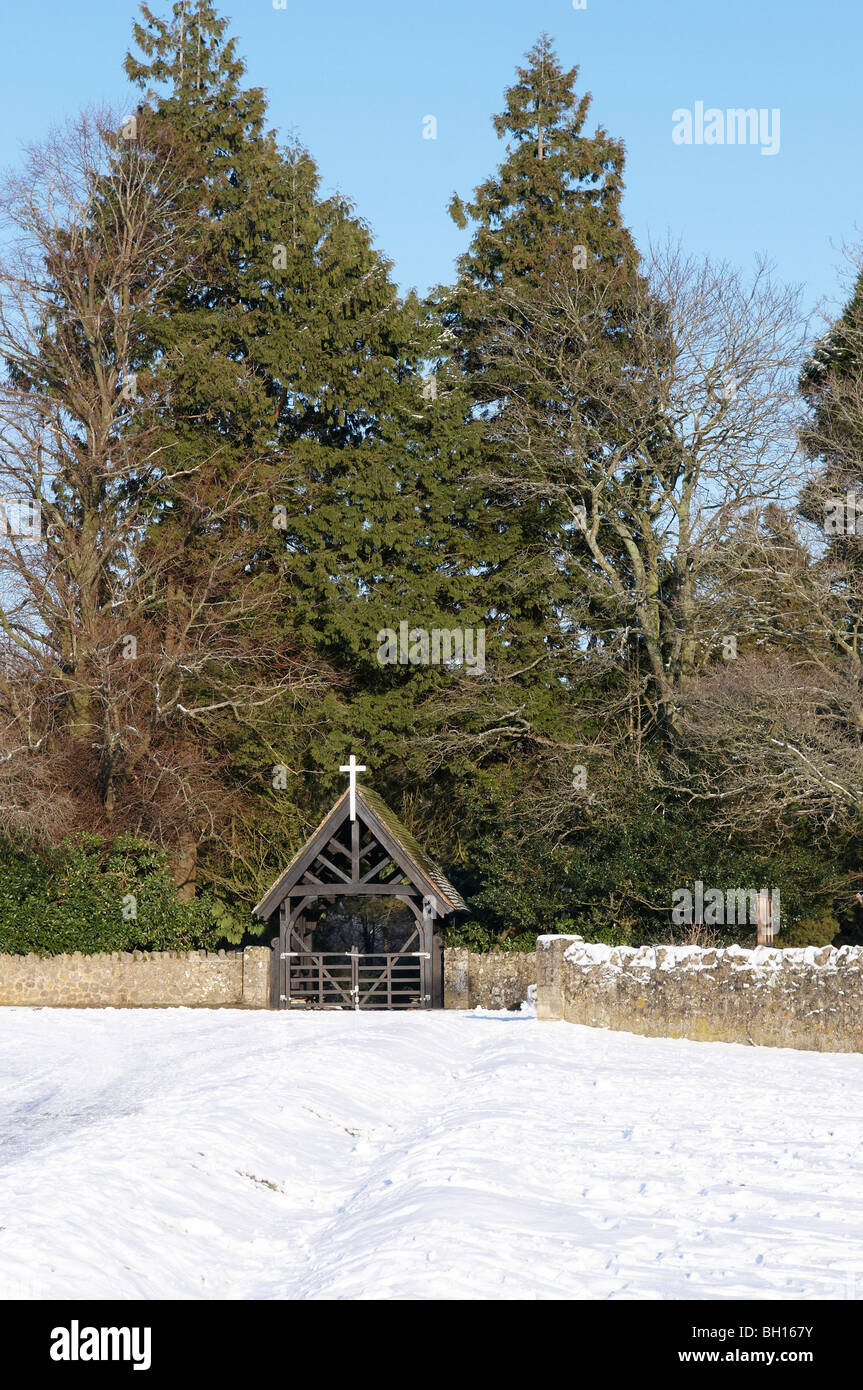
(372, 855)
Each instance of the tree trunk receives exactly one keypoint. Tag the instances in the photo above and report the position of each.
(186, 866)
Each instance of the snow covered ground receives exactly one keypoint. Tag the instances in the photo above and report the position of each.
(187, 1154)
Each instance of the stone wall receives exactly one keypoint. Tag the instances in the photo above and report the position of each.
(497, 980)
(139, 979)
(225, 979)
(809, 998)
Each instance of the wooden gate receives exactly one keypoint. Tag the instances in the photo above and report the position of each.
(354, 979)
(302, 977)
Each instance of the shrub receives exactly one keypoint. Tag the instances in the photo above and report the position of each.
(478, 938)
(82, 895)
(810, 931)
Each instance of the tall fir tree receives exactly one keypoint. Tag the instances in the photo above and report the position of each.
(557, 192)
(288, 356)
(550, 213)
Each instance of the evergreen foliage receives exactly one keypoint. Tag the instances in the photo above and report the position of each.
(93, 894)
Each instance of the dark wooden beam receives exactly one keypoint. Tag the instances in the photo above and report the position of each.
(388, 859)
(342, 890)
(322, 859)
(355, 850)
(296, 912)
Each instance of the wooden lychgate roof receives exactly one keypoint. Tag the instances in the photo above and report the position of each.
(346, 859)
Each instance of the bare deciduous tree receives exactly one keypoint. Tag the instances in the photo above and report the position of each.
(650, 442)
(130, 624)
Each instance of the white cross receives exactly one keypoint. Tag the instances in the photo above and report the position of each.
(352, 767)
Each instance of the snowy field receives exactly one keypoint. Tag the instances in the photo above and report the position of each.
(189, 1154)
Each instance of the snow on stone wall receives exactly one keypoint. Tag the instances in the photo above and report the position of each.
(810, 997)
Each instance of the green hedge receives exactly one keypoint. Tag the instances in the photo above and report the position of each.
(478, 938)
(79, 897)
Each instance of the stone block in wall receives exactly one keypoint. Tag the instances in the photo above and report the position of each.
(456, 977)
(256, 977)
(550, 951)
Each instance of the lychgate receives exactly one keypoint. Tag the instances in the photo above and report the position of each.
(360, 851)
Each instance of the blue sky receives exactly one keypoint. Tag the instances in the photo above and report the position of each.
(354, 79)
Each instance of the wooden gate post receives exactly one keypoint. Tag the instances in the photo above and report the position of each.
(429, 968)
(355, 975)
(437, 971)
(275, 972)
